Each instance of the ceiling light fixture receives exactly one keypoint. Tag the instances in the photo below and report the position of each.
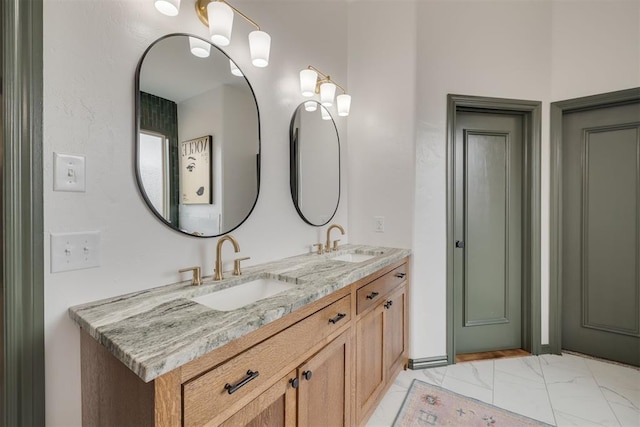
(218, 15)
(314, 81)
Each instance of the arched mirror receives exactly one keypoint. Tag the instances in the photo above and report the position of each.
(314, 163)
(197, 137)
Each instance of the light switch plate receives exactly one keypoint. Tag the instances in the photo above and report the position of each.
(68, 172)
(75, 251)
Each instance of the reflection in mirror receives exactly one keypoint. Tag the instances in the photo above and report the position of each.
(198, 137)
(315, 163)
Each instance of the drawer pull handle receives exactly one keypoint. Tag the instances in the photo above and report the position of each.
(401, 275)
(294, 382)
(372, 295)
(251, 375)
(388, 304)
(338, 318)
(307, 375)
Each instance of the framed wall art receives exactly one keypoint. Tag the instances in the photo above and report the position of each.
(196, 171)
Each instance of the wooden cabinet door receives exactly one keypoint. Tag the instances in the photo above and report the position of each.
(275, 407)
(324, 384)
(370, 369)
(395, 339)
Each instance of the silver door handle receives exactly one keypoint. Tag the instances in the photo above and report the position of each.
(459, 244)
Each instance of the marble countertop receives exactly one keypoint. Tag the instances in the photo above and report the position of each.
(157, 330)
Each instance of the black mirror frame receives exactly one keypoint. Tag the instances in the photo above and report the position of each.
(293, 165)
(136, 146)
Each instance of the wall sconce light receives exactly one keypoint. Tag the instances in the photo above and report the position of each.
(234, 69)
(314, 81)
(217, 15)
(168, 7)
(199, 47)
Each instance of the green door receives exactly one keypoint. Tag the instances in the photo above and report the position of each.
(601, 233)
(488, 158)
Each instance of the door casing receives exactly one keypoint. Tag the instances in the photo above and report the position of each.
(531, 111)
(558, 110)
(23, 235)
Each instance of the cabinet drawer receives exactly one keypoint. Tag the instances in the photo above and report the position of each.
(373, 292)
(206, 397)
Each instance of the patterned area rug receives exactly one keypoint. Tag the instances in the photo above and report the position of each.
(430, 405)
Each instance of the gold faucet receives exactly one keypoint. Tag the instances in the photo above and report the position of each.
(236, 247)
(327, 246)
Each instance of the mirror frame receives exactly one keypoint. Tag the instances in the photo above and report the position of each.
(136, 146)
(293, 167)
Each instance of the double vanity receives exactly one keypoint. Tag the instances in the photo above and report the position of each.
(307, 340)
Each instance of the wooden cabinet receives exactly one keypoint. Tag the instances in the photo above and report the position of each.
(275, 407)
(325, 364)
(381, 338)
(324, 385)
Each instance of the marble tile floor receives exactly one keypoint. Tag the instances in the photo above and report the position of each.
(567, 390)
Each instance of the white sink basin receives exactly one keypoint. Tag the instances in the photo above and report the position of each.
(244, 294)
(353, 257)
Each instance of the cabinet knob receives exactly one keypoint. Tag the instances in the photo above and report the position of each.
(400, 275)
(294, 382)
(307, 375)
(388, 304)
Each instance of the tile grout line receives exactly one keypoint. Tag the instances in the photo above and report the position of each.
(603, 396)
(546, 387)
(493, 384)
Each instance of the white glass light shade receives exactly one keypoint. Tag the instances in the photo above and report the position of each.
(199, 47)
(260, 46)
(308, 79)
(234, 69)
(344, 104)
(168, 7)
(310, 106)
(220, 17)
(327, 92)
(325, 113)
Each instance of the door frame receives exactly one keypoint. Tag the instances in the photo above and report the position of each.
(22, 214)
(531, 308)
(558, 109)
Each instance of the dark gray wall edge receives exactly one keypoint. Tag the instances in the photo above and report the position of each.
(532, 110)
(428, 362)
(23, 275)
(557, 110)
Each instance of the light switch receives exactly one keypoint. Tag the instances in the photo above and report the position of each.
(68, 172)
(378, 225)
(75, 251)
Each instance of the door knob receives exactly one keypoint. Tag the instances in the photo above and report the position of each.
(459, 244)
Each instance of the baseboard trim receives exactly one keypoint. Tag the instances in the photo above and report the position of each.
(545, 349)
(428, 362)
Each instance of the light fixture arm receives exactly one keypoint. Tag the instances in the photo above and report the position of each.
(201, 11)
(325, 78)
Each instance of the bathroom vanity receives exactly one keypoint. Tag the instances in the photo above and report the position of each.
(321, 350)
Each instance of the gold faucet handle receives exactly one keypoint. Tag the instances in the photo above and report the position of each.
(320, 248)
(236, 265)
(335, 244)
(197, 280)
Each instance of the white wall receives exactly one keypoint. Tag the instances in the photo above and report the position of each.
(198, 116)
(403, 58)
(424, 50)
(91, 52)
